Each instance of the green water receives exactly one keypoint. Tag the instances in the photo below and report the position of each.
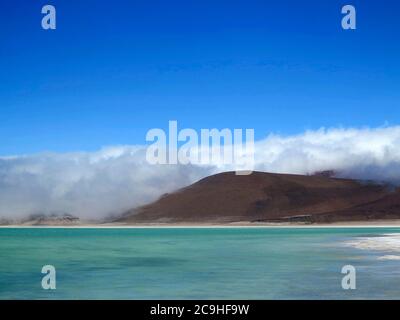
(194, 263)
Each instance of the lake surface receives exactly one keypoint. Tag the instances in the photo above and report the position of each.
(200, 263)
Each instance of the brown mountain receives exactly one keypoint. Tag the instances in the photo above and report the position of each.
(268, 197)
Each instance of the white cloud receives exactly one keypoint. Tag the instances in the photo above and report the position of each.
(114, 179)
(357, 153)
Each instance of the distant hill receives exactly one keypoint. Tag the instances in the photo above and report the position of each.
(63, 219)
(268, 197)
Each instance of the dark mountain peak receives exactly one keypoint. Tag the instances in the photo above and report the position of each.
(260, 196)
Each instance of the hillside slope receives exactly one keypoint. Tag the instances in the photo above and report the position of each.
(263, 197)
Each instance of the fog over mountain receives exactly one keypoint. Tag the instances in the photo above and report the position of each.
(114, 179)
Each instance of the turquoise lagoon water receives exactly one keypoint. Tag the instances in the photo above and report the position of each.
(200, 263)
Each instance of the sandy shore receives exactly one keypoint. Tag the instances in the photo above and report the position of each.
(348, 224)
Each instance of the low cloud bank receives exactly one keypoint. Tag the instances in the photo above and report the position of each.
(94, 185)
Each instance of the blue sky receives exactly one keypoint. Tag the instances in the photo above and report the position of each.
(112, 70)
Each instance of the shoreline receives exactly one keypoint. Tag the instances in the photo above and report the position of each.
(353, 224)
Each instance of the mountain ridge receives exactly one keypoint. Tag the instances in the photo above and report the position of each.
(270, 197)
